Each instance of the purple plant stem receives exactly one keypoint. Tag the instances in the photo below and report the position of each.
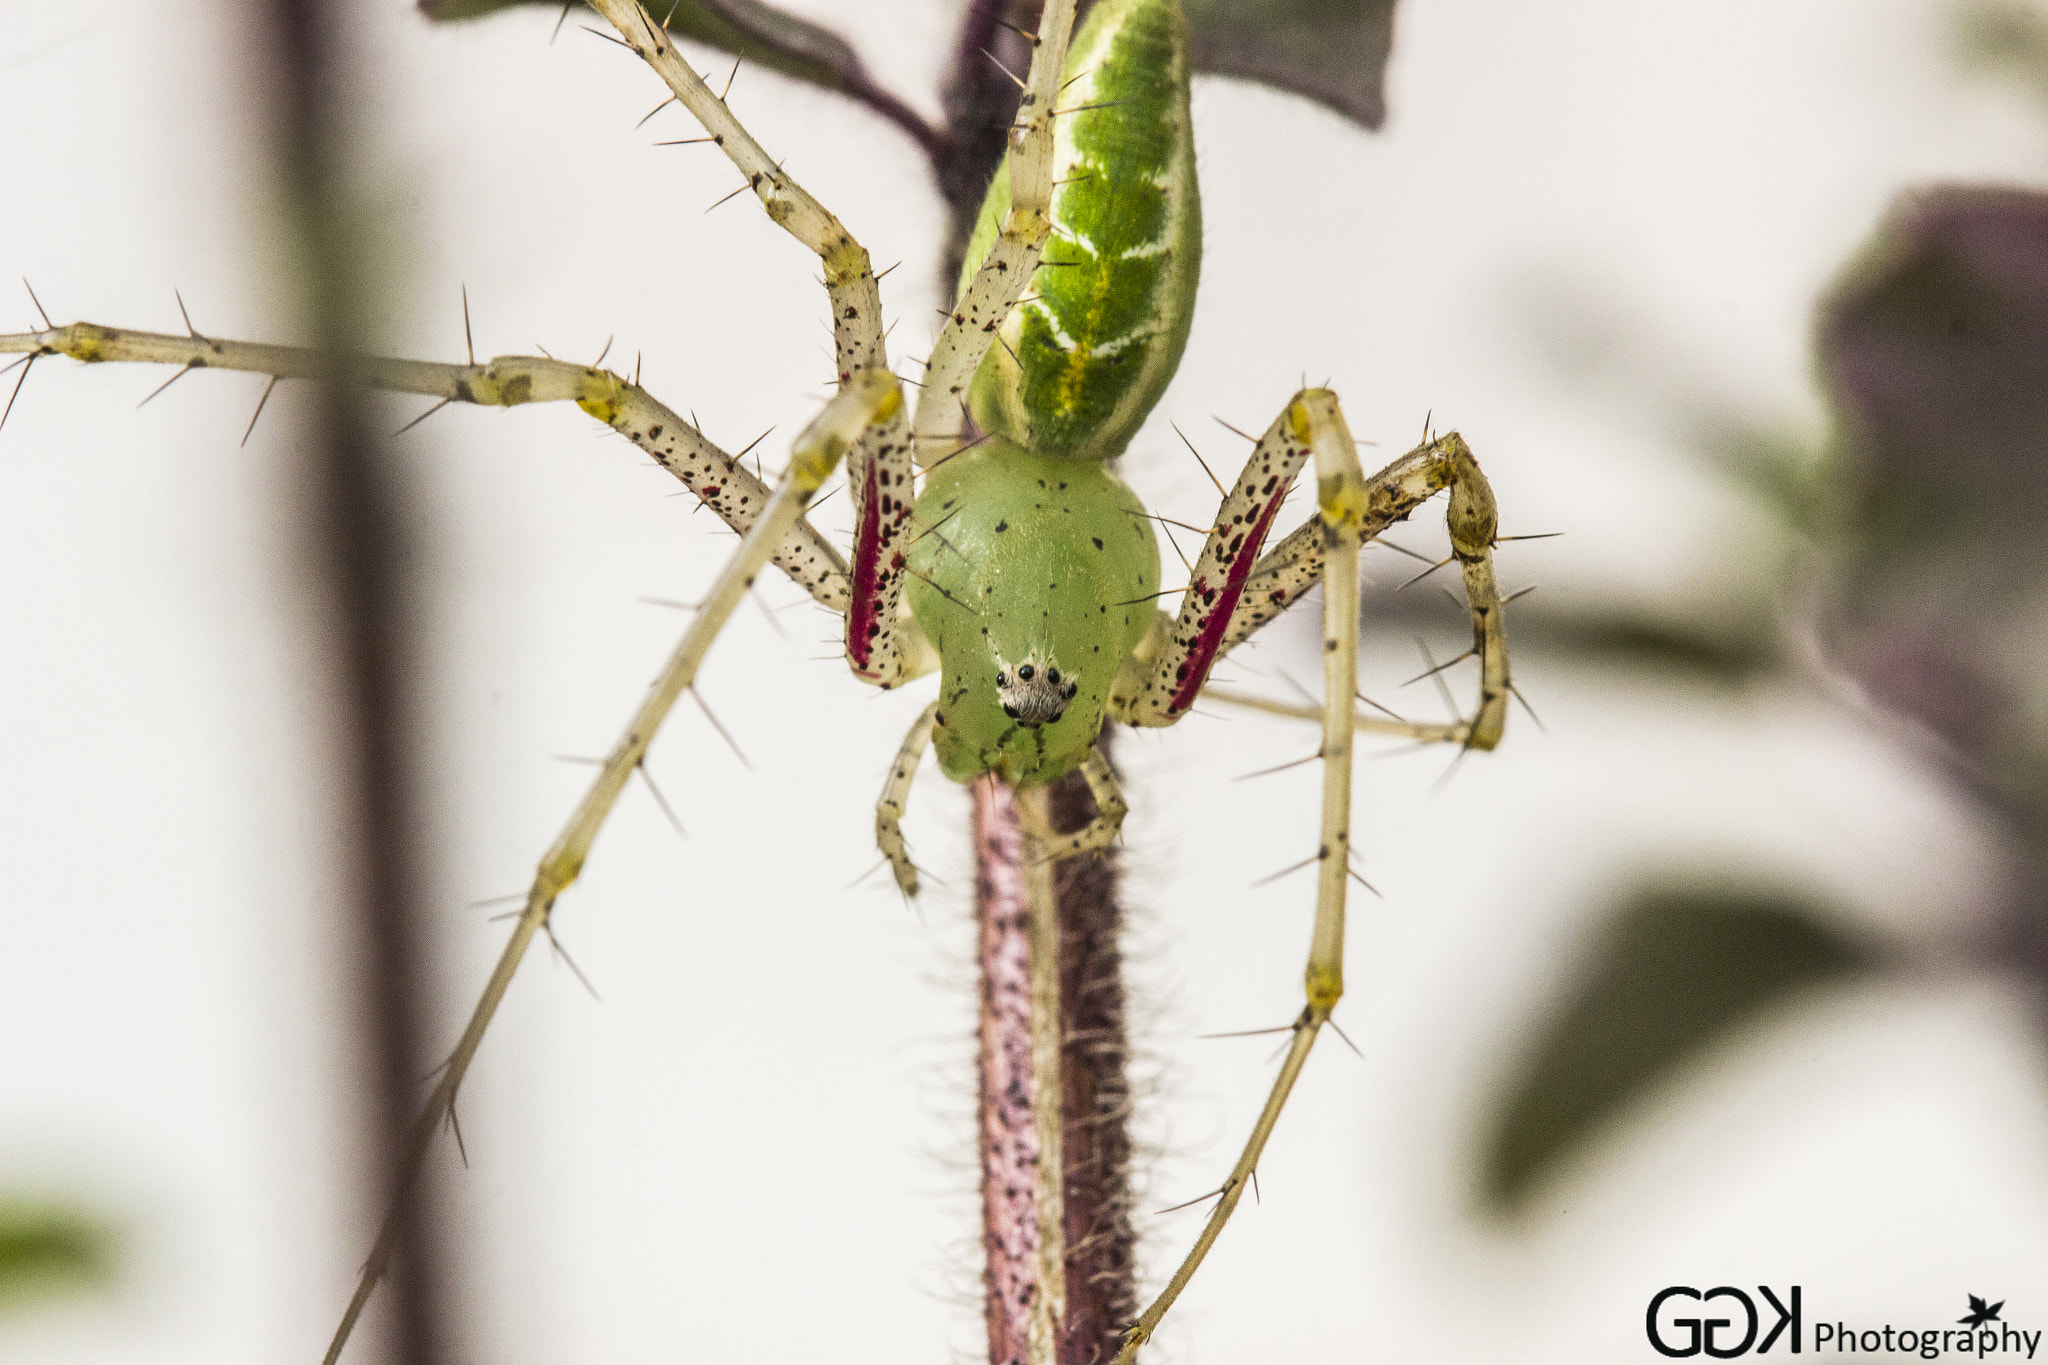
(1007, 1118)
(1091, 1095)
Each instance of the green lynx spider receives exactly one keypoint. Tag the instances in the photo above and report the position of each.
(1032, 570)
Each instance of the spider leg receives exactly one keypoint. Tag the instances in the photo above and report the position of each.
(1012, 257)
(873, 395)
(1254, 594)
(849, 277)
(895, 799)
(1180, 663)
(1110, 809)
(1287, 571)
(1456, 732)
(881, 640)
(1349, 507)
(723, 484)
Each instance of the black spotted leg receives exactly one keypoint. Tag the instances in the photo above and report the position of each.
(1286, 572)
(871, 396)
(724, 485)
(895, 799)
(1348, 504)
(1161, 689)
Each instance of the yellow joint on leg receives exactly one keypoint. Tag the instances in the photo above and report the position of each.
(602, 395)
(85, 341)
(1316, 421)
(558, 871)
(506, 382)
(1325, 988)
(873, 397)
(846, 261)
(1027, 225)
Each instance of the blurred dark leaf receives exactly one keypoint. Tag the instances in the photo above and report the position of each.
(753, 32)
(1710, 651)
(1678, 970)
(1715, 647)
(48, 1248)
(1934, 349)
(1332, 51)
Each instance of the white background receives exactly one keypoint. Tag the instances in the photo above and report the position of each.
(757, 1145)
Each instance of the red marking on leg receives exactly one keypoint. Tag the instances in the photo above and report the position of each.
(862, 628)
(1195, 671)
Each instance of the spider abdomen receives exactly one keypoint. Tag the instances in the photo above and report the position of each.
(1089, 350)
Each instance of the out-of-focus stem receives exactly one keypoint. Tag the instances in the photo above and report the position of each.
(352, 514)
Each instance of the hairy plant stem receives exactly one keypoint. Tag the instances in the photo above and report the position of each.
(1059, 1279)
(1054, 1101)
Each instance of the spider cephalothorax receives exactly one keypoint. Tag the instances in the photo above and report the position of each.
(1027, 561)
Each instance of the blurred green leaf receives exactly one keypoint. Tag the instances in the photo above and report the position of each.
(1681, 968)
(1331, 51)
(2004, 38)
(48, 1248)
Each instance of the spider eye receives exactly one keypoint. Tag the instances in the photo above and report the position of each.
(1052, 675)
(1027, 672)
(1002, 680)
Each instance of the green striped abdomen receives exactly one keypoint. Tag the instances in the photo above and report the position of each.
(1106, 316)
